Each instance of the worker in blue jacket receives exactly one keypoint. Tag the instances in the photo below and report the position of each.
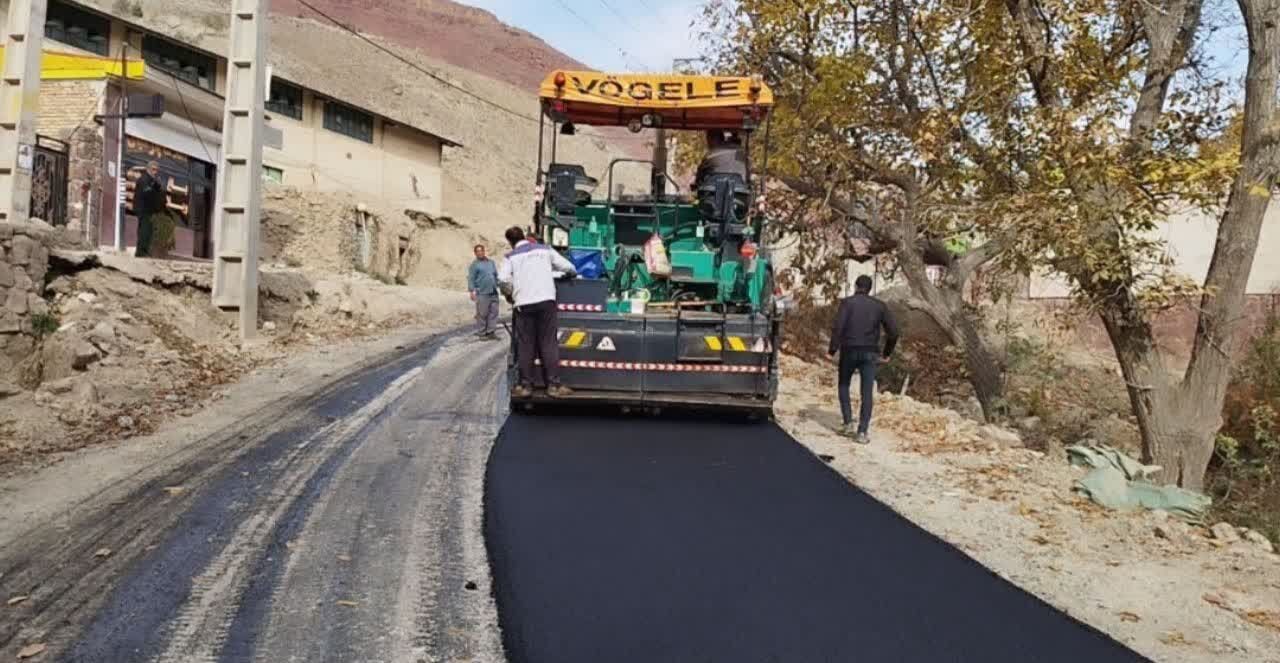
(482, 281)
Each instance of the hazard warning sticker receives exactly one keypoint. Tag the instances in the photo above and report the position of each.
(606, 345)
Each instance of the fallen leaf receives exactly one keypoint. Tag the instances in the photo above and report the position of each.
(1214, 599)
(348, 604)
(102, 552)
(1126, 616)
(1263, 618)
(18, 599)
(31, 651)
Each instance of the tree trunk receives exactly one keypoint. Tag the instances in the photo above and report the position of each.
(945, 304)
(1177, 421)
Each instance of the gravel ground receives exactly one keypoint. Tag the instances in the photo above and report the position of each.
(325, 510)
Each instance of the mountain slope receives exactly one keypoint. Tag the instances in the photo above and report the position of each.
(463, 36)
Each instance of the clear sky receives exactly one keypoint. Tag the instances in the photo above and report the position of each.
(611, 35)
(645, 35)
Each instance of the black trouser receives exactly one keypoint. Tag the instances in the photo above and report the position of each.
(145, 229)
(536, 326)
(865, 362)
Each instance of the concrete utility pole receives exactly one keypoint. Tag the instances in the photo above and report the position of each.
(19, 100)
(236, 216)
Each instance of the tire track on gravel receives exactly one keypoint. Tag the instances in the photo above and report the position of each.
(159, 540)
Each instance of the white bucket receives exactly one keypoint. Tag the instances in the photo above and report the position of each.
(638, 300)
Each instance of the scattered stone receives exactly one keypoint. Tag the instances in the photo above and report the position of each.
(124, 422)
(7, 390)
(59, 387)
(345, 307)
(269, 326)
(84, 355)
(102, 334)
(124, 316)
(1029, 423)
(172, 398)
(87, 297)
(16, 302)
(85, 392)
(1173, 531)
(1259, 539)
(1225, 533)
(1002, 436)
(60, 286)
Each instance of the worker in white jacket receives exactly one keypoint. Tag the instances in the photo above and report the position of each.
(528, 279)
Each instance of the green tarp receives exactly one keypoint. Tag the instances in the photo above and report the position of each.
(1120, 482)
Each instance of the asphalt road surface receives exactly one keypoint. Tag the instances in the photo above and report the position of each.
(702, 541)
(370, 522)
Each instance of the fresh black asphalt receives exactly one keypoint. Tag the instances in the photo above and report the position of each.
(669, 541)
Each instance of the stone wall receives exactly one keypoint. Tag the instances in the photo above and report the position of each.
(24, 261)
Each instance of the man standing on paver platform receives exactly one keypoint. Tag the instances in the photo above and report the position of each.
(856, 336)
(482, 281)
(528, 279)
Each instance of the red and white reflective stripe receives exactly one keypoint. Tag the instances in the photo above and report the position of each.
(669, 368)
(590, 308)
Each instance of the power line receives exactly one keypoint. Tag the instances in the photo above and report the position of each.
(177, 85)
(414, 65)
(626, 57)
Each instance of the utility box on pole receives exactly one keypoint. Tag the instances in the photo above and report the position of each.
(19, 100)
(236, 217)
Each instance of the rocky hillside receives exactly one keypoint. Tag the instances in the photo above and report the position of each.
(463, 36)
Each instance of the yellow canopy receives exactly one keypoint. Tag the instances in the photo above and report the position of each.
(686, 102)
(60, 66)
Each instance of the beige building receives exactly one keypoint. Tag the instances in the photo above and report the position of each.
(331, 138)
(1189, 239)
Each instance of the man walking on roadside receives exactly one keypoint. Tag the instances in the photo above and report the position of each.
(527, 278)
(148, 200)
(482, 281)
(857, 337)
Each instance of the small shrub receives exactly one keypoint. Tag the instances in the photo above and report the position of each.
(163, 237)
(1244, 477)
(44, 324)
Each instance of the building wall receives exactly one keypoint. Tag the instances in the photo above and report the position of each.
(65, 105)
(1190, 238)
(402, 167)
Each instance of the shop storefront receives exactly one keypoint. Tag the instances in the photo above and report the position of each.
(186, 154)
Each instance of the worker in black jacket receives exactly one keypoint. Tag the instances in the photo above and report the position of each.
(857, 336)
(148, 200)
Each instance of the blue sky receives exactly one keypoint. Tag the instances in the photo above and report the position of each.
(645, 35)
(611, 35)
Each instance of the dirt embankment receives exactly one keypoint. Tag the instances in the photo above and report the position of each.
(122, 344)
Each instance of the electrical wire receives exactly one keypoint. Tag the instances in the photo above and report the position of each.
(626, 57)
(415, 66)
(177, 85)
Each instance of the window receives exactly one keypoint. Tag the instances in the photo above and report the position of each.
(270, 174)
(191, 66)
(348, 121)
(285, 99)
(76, 27)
